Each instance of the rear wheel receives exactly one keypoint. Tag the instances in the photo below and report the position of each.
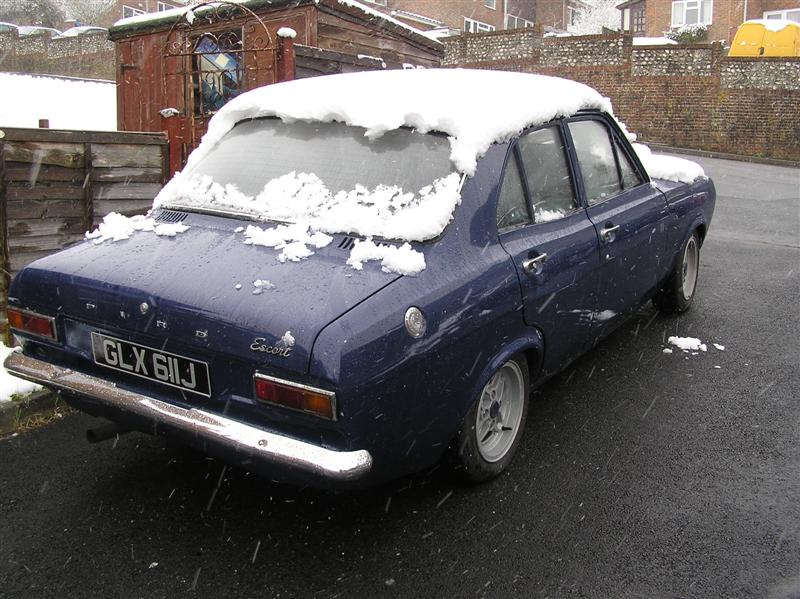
(677, 292)
(493, 427)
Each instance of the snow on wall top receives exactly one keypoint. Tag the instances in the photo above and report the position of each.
(476, 108)
(653, 41)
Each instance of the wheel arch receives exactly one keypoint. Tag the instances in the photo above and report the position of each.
(530, 344)
(702, 229)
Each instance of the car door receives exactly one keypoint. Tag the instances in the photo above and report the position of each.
(630, 216)
(546, 231)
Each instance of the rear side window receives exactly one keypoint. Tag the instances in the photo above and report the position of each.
(630, 178)
(512, 209)
(547, 174)
(597, 161)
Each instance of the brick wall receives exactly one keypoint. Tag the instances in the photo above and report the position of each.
(684, 96)
(90, 56)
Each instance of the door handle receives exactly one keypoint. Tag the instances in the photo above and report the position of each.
(534, 266)
(609, 233)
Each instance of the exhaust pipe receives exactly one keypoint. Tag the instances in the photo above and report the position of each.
(105, 431)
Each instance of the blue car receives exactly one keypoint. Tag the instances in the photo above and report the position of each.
(337, 300)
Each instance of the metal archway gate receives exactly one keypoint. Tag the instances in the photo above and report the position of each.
(214, 52)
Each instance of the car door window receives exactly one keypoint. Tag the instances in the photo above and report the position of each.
(512, 209)
(596, 159)
(547, 174)
(630, 178)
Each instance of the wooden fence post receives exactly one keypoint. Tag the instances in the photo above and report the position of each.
(88, 198)
(285, 66)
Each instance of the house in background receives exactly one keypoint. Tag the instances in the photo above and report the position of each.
(560, 15)
(454, 16)
(122, 9)
(652, 18)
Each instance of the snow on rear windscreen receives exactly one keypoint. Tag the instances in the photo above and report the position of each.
(329, 176)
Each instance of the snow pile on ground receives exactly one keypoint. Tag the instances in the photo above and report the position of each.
(9, 384)
(67, 102)
(670, 168)
(116, 227)
(461, 103)
(688, 343)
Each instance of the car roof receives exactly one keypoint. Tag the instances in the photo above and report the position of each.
(476, 108)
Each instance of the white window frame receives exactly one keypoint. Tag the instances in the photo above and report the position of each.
(490, 4)
(573, 14)
(704, 15)
(473, 26)
(378, 2)
(162, 6)
(519, 22)
(134, 12)
(783, 14)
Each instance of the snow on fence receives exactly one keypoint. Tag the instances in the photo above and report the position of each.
(56, 185)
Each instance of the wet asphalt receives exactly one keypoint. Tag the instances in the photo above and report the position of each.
(641, 474)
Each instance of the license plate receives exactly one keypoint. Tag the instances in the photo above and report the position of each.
(152, 364)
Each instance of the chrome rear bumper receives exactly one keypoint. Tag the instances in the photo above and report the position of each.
(259, 445)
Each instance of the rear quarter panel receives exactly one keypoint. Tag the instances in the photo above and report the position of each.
(692, 206)
(404, 398)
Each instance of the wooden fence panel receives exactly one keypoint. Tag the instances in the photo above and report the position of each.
(54, 185)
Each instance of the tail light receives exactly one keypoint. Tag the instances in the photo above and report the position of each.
(32, 323)
(296, 396)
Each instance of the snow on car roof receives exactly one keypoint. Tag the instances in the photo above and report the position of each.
(475, 108)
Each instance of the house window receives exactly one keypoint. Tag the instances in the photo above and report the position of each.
(793, 14)
(513, 22)
(473, 26)
(129, 11)
(216, 70)
(573, 14)
(638, 17)
(490, 4)
(162, 6)
(691, 12)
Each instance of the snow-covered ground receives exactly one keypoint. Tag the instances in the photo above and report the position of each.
(67, 102)
(11, 385)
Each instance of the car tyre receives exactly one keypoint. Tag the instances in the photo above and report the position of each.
(492, 429)
(676, 293)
